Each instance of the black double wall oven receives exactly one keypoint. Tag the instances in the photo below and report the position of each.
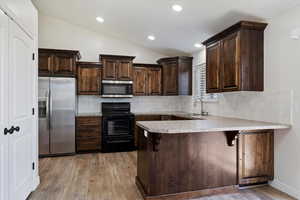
(117, 127)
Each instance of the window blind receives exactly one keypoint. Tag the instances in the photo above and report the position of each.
(200, 84)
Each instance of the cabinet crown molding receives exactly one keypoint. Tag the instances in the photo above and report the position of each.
(168, 59)
(247, 25)
(145, 65)
(92, 64)
(107, 56)
(71, 52)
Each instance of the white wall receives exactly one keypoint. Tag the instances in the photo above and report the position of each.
(280, 102)
(55, 33)
(58, 34)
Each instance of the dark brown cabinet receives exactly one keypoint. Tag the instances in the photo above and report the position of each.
(231, 63)
(177, 75)
(88, 133)
(118, 68)
(89, 78)
(256, 157)
(235, 58)
(140, 85)
(213, 71)
(53, 62)
(154, 81)
(147, 80)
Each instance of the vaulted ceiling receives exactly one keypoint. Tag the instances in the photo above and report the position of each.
(134, 20)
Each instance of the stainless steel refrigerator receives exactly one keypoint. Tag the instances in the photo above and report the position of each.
(57, 107)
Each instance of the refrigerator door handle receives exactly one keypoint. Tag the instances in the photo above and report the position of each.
(49, 109)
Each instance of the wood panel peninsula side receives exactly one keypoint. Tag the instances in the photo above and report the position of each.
(184, 159)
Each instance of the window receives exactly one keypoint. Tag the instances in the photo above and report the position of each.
(199, 72)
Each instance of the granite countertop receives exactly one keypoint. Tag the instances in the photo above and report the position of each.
(206, 124)
(91, 114)
(160, 113)
(94, 114)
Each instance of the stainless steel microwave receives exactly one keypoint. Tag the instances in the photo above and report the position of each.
(117, 89)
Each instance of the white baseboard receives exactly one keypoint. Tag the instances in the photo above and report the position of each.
(293, 192)
(36, 182)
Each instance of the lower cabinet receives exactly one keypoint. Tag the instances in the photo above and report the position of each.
(256, 157)
(88, 133)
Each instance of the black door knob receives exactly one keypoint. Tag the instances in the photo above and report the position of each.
(11, 130)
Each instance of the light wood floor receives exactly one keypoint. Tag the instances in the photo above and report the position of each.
(110, 177)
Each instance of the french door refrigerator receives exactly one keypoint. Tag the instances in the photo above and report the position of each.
(57, 107)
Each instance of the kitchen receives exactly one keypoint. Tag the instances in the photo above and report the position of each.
(121, 112)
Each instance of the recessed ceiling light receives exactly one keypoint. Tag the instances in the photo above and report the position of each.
(151, 37)
(100, 19)
(177, 8)
(197, 45)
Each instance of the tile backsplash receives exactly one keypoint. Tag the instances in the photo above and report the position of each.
(91, 104)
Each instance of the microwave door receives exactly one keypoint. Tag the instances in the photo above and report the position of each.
(116, 90)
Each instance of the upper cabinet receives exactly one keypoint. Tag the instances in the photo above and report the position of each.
(235, 58)
(117, 68)
(54, 62)
(147, 80)
(89, 78)
(177, 75)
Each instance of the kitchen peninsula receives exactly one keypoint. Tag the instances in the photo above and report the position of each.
(184, 159)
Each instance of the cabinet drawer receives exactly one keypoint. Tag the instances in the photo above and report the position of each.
(88, 121)
(88, 132)
(92, 144)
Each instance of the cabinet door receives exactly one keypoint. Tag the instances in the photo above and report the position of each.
(170, 78)
(213, 68)
(231, 63)
(45, 64)
(154, 81)
(3, 106)
(256, 157)
(124, 70)
(64, 65)
(109, 69)
(88, 133)
(88, 82)
(21, 74)
(140, 81)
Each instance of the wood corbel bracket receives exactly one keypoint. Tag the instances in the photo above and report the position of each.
(231, 137)
(155, 140)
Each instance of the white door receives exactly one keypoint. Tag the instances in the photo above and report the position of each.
(20, 112)
(3, 106)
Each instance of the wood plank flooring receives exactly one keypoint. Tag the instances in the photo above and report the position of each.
(110, 177)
